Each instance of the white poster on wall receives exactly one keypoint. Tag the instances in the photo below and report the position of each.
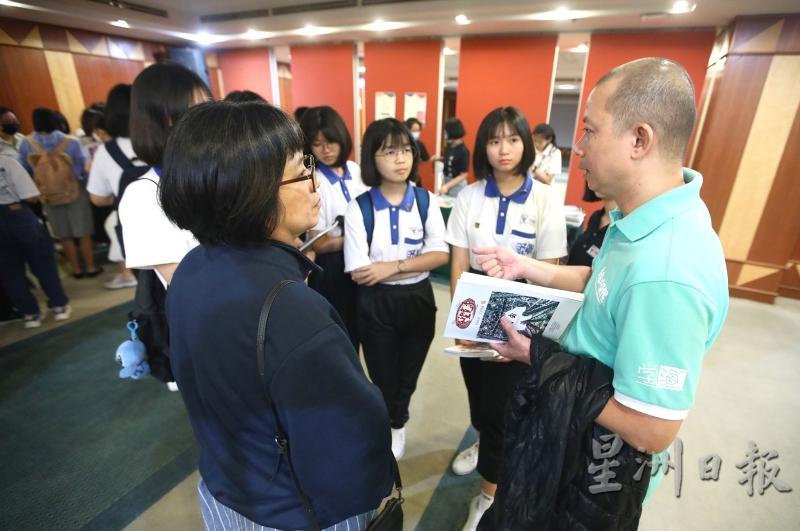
(414, 106)
(385, 105)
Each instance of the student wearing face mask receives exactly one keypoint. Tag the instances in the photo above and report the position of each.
(10, 137)
(456, 158)
(503, 208)
(415, 126)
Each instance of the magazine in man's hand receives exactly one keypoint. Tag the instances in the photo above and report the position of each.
(480, 301)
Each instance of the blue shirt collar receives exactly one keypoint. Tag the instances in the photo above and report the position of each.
(520, 196)
(331, 175)
(380, 202)
(649, 216)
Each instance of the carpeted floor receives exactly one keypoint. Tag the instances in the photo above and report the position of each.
(449, 505)
(81, 448)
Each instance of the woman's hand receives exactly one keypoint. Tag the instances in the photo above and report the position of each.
(500, 262)
(374, 273)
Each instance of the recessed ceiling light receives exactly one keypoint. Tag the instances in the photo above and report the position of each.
(462, 19)
(566, 86)
(202, 38)
(120, 23)
(563, 13)
(254, 35)
(380, 25)
(682, 7)
(448, 51)
(581, 48)
(310, 30)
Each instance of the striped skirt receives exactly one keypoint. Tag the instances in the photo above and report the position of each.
(218, 517)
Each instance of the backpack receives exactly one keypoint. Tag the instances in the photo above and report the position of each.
(52, 173)
(130, 172)
(149, 302)
(367, 212)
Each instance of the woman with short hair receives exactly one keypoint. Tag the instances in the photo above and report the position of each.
(236, 177)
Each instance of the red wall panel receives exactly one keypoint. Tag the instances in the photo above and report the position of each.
(98, 74)
(246, 69)
(608, 50)
(400, 67)
(500, 71)
(323, 75)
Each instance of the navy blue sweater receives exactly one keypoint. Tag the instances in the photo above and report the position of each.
(334, 418)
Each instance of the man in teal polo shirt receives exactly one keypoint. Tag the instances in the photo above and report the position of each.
(657, 294)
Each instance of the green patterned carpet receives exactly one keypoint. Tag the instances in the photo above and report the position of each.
(81, 448)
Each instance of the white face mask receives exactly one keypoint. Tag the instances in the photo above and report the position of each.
(415, 135)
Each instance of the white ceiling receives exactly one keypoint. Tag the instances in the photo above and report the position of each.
(418, 18)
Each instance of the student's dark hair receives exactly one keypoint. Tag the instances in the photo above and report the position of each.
(546, 131)
(4, 110)
(62, 124)
(386, 133)
(489, 127)
(299, 112)
(92, 119)
(241, 96)
(327, 121)
(161, 93)
(118, 111)
(454, 129)
(223, 164)
(588, 194)
(44, 120)
(412, 121)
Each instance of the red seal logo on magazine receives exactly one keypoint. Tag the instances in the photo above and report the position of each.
(465, 313)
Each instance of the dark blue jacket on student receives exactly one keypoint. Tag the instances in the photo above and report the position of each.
(334, 418)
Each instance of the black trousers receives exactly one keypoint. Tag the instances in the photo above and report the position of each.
(397, 324)
(339, 289)
(489, 387)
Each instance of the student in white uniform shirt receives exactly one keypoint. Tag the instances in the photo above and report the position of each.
(547, 164)
(340, 182)
(160, 94)
(109, 161)
(394, 237)
(505, 207)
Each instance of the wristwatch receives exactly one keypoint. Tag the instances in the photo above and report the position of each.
(402, 266)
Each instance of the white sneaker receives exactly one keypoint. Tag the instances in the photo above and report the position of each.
(466, 461)
(479, 505)
(172, 386)
(398, 443)
(121, 281)
(33, 321)
(62, 313)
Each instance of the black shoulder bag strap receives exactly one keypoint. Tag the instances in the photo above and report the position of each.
(280, 437)
(283, 443)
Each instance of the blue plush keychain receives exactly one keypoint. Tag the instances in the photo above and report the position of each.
(132, 355)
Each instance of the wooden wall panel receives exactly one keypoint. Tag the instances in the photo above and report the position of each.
(778, 226)
(66, 86)
(723, 139)
(748, 154)
(97, 75)
(26, 83)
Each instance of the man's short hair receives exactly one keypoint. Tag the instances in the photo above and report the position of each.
(658, 92)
